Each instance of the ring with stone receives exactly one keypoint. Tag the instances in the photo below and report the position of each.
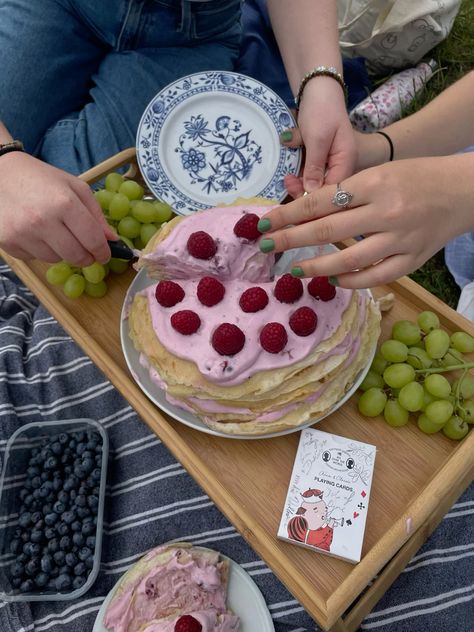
(341, 198)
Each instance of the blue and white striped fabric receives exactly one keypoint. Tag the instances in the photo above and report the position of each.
(151, 499)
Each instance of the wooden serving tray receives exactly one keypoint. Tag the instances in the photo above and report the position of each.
(417, 477)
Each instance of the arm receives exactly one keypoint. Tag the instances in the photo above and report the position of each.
(47, 213)
(407, 210)
(444, 126)
(307, 36)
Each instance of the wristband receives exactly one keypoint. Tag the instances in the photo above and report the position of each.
(14, 145)
(389, 140)
(320, 71)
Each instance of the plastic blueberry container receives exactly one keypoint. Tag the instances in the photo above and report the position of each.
(17, 452)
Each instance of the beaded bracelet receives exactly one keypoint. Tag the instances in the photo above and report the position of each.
(320, 71)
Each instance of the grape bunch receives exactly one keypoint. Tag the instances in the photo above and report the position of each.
(406, 377)
(135, 219)
(55, 540)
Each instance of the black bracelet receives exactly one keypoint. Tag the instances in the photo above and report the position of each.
(389, 142)
(13, 145)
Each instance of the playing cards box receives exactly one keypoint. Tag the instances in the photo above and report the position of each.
(328, 496)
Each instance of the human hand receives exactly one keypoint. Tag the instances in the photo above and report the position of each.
(325, 130)
(49, 214)
(404, 219)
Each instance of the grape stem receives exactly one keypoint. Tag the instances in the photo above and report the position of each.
(444, 369)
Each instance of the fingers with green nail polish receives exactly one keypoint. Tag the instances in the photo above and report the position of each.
(297, 272)
(267, 245)
(264, 225)
(286, 136)
(333, 280)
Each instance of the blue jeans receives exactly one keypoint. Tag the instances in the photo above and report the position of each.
(76, 75)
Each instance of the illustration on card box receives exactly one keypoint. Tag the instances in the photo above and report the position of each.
(311, 524)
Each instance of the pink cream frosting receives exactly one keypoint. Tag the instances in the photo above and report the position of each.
(194, 585)
(207, 618)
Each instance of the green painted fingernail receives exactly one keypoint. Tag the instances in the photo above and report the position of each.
(286, 136)
(333, 281)
(264, 225)
(267, 245)
(297, 271)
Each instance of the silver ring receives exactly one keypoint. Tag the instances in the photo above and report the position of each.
(341, 198)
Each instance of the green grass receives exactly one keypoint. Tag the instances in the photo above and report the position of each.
(455, 57)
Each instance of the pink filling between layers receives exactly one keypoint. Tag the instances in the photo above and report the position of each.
(195, 586)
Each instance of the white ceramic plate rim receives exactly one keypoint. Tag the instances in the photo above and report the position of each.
(259, 97)
(244, 599)
(157, 395)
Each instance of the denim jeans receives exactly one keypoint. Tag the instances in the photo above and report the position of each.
(76, 75)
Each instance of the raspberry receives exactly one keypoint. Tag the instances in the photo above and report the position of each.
(253, 300)
(228, 339)
(320, 288)
(186, 322)
(303, 321)
(168, 293)
(246, 227)
(288, 289)
(201, 245)
(210, 291)
(273, 337)
(187, 623)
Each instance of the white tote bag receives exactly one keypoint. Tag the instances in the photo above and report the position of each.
(393, 34)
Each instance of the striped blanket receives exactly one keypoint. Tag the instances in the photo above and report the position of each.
(151, 499)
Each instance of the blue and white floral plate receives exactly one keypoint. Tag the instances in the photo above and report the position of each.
(212, 137)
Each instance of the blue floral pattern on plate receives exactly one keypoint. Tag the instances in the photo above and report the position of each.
(211, 137)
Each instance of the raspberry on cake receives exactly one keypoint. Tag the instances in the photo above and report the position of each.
(269, 353)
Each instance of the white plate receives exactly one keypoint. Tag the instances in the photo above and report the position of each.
(244, 599)
(157, 395)
(211, 137)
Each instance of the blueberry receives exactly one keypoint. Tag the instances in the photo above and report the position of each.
(88, 528)
(68, 469)
(17, 569)
(76, 526)
(54, 571)
(44, 476)
(15, 545)
(73, 495)
(62, 529)
(36, 494)
(49, 533)
(88, 454)
(90, 561)
(56, 448)
(79, 435)
(36, 535)
(83, 512)
(90, 542)
(71, 483)
(65, 543)
(78, 582)
(23, 494)
(96, 474)
(35, 516)
(87, 465)
(51, 463)
(72, 444)
(25, 536)
(44, 491)
(63, 438)
(53, 545)
(32, 567)
(68, 517)
(28, 500)
(57, 484)
(93, 502)
(32, 471)
(81, 500)
(25, 519)
(80, 569)
(59, 557)
(63, 497)
(41, 580)
(80, 448)
(59, 507)
(63, 582)
(27, 586)
(22, 558)
(84, 553)
(71, 559)
(51, 518)
(51, 585)
(46, 563)
(78, 539)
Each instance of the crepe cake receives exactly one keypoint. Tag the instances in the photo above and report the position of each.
(246, 352)
(173, 587)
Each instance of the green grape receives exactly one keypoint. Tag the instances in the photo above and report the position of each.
(58, 273)
(418, 358)
(147, 231)
(129, 227)
(411, 396)
(455, 428)
(394, 351)
(466, 412)
(74, 286)
(437, 385)
(372, 379)
(119, 206)
(426, 425)
(379, 363)
(143, 212)
(113, 182)
(372, 402)
(394, 414)
(397, 375)
(466, 386)
(437, 343)
(94, 273)
(439, 411)
(427, 399)
(407, 332)
(131, 189)
(106, 268)
(462, 342)
(163, 212)
(97, 290)
(138, 243)
(451, 358)
(428, 321)
(127, 241)
(104, 198)
(118, 265)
